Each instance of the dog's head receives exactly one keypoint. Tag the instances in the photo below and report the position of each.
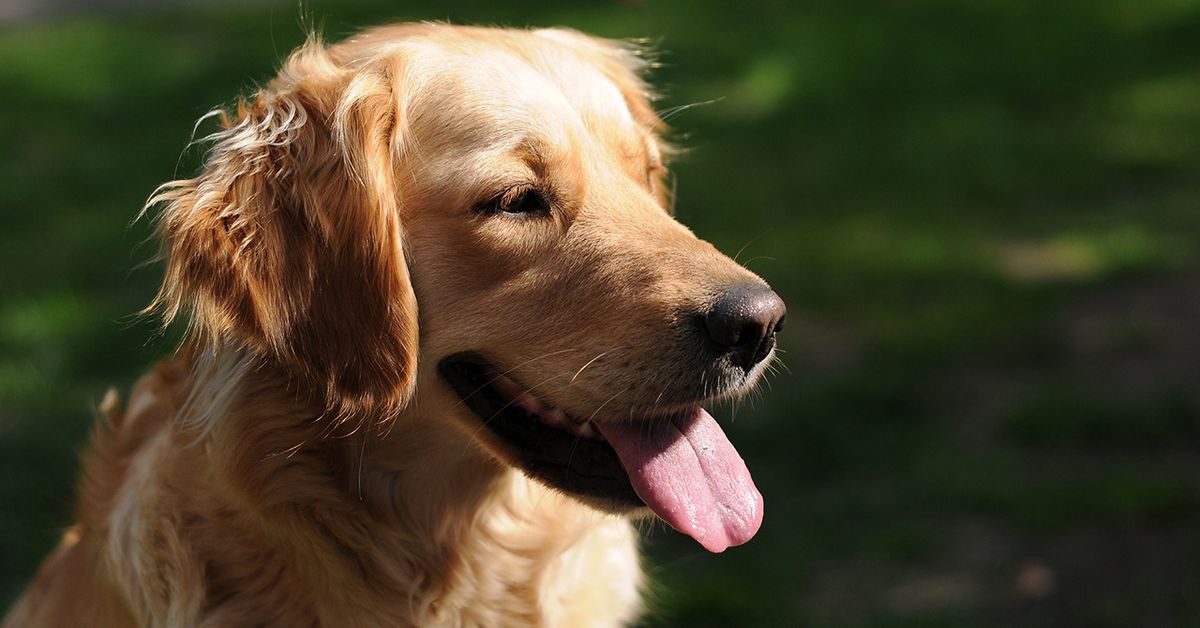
(505, 189)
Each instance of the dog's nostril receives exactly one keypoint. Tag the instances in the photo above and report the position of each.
(743, 321)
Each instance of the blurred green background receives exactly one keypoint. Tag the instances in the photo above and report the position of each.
(983, 215)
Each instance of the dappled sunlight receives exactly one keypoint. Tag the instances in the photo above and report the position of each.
(1154, 122)
(1081, 256)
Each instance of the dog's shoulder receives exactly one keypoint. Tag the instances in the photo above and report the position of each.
(120, 432)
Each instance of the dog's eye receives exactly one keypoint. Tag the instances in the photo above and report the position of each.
(519, 201)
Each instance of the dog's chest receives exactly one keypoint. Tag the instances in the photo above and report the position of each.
(543, 560)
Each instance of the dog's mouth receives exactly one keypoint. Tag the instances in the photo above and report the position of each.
(682, 466)
(549, 445)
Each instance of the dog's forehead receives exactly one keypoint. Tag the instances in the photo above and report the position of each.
(493, 94)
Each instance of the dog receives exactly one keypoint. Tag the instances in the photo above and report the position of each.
(445, 341)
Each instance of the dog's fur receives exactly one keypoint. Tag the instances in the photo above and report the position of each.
(299, 462)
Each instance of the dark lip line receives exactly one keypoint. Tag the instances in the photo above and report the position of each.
(591, 468)
(652, 411)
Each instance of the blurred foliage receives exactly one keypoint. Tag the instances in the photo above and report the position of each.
(982, 213)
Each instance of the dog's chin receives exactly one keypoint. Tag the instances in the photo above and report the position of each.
(545, 443)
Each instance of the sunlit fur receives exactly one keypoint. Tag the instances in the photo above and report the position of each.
(299, 462)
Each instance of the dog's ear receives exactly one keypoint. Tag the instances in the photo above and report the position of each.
(288, 244)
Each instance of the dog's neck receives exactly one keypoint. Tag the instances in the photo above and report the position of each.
(409, 523)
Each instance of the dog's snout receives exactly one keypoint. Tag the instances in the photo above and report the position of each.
(743, 321)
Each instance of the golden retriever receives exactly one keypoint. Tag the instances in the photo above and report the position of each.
(445, 339)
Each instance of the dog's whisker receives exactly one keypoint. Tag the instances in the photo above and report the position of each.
(590, 362)
(658, 398)
(770, 368)
(615, 395)
(506, 406)
(574, 445)
(748, 243)
(756, 258)
(671, 112)
(506, 372)
(777, 362)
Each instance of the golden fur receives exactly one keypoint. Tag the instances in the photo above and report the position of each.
(298, 463)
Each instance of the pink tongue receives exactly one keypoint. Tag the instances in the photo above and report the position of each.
(689, 474)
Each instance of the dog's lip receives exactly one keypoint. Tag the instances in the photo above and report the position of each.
(546, 443)
(524, 398)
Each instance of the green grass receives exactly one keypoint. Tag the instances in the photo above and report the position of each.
(985, 217)
(1062, 415)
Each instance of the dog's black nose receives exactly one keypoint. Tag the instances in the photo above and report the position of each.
(743, 322)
